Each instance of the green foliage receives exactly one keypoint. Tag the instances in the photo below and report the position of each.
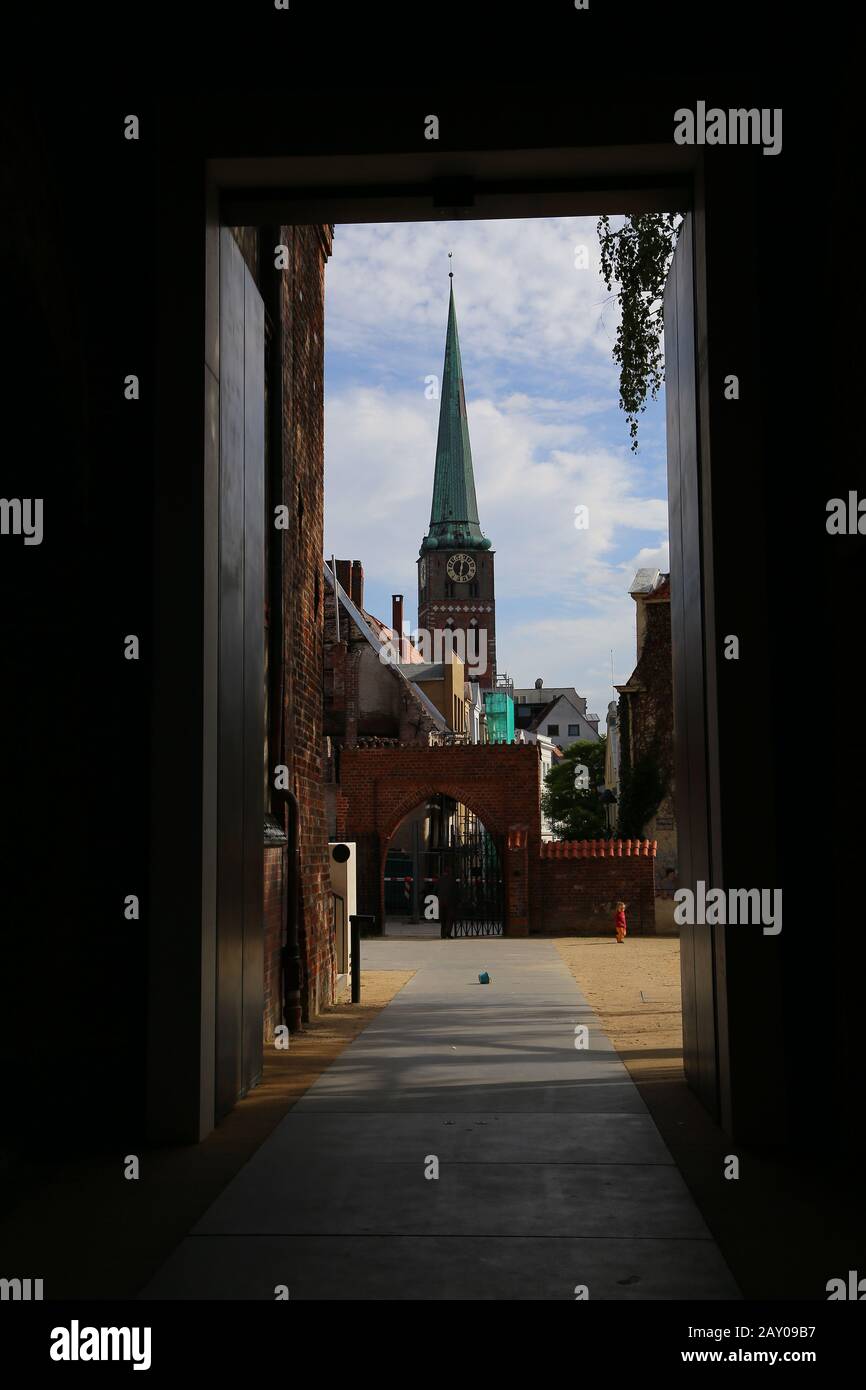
(637, 257)
(641, 787)
(574, 814)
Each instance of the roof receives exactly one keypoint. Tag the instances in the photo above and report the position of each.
(551, 706)
(534, 696)
(423, 671)
(644, 581)
(387, 634)
(543, 713)
(366, 630)
(454, 512)
(651, 583)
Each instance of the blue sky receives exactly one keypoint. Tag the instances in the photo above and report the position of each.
(547, 435)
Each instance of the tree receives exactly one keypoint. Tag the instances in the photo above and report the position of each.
(641, 788)
(575, 813)
(637, 257)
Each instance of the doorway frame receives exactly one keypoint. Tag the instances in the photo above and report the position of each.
(476, 185)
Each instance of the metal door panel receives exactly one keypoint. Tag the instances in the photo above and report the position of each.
(240, 811)
(687, 642)
(254, 681)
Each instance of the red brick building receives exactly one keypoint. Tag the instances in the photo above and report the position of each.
(645, 714)
(299, 963)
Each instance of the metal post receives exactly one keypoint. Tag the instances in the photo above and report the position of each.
(416, 871)
(291, 951)
(355, 921)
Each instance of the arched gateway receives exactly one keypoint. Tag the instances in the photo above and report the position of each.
(500, 783)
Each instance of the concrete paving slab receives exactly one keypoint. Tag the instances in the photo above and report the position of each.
(306, 1138)
(348, 1196)
(436, 1268)
(548, 1159)
(531, 1097)
(467, 1093)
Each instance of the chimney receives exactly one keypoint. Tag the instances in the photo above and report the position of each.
(397, 623)
(357, 591)
(344, 576)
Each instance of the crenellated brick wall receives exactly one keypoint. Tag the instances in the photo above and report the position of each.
(578, 882)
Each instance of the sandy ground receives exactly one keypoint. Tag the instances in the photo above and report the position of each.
(635, 989)
(784, 1224)
(91, 1234)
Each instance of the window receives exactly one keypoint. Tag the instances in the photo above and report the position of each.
(574, 731)
(553, 728)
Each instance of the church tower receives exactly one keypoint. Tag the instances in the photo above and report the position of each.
(455, 563)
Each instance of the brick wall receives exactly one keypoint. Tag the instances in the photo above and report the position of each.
(578, 883)
(302, 315)
(646, 719)
(383, 783)
(301, 288)
(550, 888)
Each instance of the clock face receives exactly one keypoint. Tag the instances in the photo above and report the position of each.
(461, 568)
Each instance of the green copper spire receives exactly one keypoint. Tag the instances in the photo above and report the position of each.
(454, 514)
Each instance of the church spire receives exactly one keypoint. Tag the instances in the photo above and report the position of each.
(454, 513)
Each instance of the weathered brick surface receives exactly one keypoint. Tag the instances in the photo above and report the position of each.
(301, 328)
(649, 722)
(576, 896)
(303, 324)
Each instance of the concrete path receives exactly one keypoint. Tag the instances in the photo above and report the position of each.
(552, 1175)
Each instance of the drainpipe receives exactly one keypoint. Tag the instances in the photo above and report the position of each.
(291, 952)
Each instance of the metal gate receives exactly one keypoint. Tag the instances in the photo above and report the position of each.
(478, 906)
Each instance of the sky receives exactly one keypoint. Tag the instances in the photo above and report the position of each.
(537, 328)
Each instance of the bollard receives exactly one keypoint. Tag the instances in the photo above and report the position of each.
(355, 921)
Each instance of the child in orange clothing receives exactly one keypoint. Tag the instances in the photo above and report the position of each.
(619, 923)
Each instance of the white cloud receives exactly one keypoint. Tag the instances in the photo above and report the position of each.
(517, 290)
(544, 423)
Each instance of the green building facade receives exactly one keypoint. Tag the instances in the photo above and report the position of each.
(499, 707)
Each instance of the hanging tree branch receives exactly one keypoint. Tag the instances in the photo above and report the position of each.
(637, 257)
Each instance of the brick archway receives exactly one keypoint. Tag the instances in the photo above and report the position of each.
(500, 783)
